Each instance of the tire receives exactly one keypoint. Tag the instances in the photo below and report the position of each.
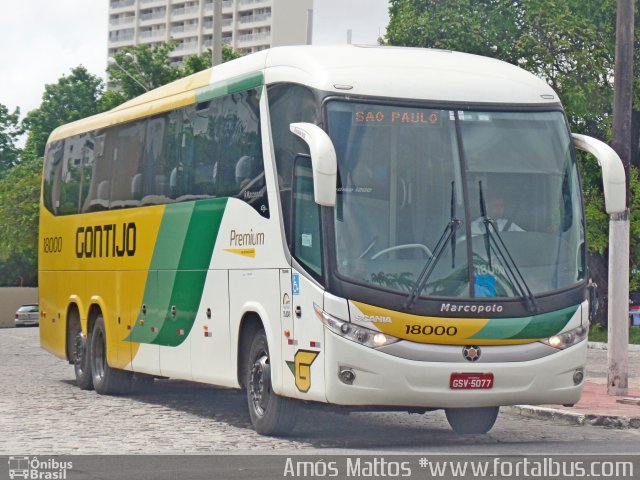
(79, 347)
(106, 380)
(270, 414)
(472, 420)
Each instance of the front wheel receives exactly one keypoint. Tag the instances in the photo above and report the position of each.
(472, 420)
(106, 380)
(270, 414)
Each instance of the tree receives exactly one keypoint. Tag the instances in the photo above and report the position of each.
(197, 63)
(73, 97)
(143, 67)
(19, 206)
(10, 130)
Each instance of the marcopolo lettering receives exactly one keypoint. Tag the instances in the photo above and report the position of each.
(250, 239)
(452, 307)
(111, 240)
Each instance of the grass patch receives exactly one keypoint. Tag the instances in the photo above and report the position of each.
(598, 333)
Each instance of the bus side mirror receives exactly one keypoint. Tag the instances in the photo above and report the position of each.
(323, 162)
(613, 176)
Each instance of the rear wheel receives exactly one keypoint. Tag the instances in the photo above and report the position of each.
(472, 420)
(106, 380)
(270, 414)
(78, 345)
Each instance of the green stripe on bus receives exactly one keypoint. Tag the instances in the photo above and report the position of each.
(237, 84)
(178, 270)
(195, 259)
(523, 328)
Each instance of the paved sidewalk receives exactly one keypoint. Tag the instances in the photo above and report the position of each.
(597, 407)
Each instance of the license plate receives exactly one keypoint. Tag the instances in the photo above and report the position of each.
(471, 381)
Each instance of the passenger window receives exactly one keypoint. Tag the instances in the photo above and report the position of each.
(71, 175)
(125, 164)
(197, 153)
(98, 167)
(52, 174)
(152, 184)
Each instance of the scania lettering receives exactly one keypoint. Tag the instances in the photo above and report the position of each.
(403, 238)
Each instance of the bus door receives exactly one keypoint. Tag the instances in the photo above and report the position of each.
(306, 342)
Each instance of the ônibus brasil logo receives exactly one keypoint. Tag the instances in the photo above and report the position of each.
(34, 469)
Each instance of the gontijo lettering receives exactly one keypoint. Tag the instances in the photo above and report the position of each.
(110, 240)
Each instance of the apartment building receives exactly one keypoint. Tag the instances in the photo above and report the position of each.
(247, 25)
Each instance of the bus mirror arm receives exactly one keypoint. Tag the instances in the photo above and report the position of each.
(323, 162)
(613, 176)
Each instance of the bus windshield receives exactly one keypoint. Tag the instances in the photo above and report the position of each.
(465, 204)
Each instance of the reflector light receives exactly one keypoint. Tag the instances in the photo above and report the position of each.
(180, 332)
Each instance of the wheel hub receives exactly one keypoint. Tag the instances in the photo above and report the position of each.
(260, 383)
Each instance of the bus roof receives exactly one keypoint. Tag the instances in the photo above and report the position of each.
(392, 72)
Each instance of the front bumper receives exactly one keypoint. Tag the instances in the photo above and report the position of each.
(385, 380)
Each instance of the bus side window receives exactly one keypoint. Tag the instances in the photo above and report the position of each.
(52, 174)
(71, 178)
(126, 161)
(97, 168)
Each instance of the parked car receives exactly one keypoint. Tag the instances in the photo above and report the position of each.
(27, 315)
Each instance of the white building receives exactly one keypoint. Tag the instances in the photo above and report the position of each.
(247, 25)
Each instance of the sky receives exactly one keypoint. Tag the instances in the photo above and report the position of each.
(41, 40)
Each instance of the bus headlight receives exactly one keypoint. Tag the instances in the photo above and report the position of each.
(355, 333)
(566, 339)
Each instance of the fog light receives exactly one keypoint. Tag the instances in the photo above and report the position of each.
(578, 376)
(347, 376)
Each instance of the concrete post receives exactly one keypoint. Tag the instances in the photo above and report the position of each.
(618, 312)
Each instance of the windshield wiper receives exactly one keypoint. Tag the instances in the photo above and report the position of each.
(449, 233)
(515, 275)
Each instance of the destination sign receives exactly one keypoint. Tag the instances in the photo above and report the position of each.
(396, 117)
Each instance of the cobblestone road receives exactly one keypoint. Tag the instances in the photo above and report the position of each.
(43, 412)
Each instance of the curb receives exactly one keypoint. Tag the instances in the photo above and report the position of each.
(546, 413)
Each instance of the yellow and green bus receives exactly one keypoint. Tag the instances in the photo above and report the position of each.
(357, 226)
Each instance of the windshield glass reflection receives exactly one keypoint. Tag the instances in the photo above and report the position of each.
(403, 176)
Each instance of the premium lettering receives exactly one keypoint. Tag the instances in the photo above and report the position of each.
(111, 240)
(250, 239)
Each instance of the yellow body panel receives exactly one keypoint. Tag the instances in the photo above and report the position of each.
(113, 283)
